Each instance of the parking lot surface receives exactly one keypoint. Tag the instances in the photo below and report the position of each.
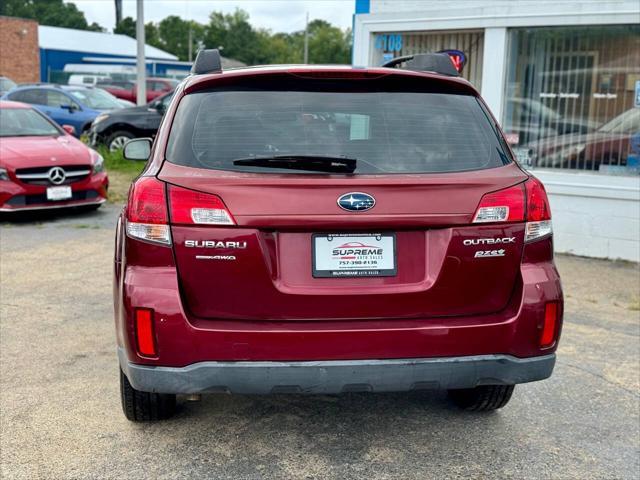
(60, 414)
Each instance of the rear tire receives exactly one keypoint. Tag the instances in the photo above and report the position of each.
(116, 140)
(145, 406)
(482, 399)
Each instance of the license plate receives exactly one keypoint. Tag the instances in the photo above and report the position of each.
(58, 193)
(354, 255)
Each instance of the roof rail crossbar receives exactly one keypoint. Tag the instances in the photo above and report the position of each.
(207, 61)
(425, 62)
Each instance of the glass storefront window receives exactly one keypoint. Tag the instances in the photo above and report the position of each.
(572, 98)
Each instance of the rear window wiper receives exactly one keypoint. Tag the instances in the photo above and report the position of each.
(314, 163)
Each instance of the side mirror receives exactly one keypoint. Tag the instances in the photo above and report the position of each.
(71, 107)
(137, 149)
(70, 129)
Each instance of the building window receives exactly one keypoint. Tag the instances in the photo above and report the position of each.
(572, 97)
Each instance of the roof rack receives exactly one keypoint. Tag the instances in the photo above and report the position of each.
(425, 62)
(207, 61)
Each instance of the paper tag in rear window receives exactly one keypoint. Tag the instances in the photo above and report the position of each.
(354, 255)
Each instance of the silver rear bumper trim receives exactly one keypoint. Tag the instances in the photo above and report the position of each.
(324, 377)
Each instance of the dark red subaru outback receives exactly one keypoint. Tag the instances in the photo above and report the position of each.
(332, 229)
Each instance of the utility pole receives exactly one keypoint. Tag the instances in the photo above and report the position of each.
(190, 43)
(306, 41)
(118, 11)
(141, 92)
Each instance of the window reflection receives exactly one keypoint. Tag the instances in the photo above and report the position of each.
(571, 97)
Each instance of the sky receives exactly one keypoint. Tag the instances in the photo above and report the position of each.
(276, 15)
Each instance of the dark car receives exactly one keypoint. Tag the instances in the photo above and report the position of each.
(328, 229)
(114, 129)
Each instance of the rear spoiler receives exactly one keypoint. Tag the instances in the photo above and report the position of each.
(445, 62)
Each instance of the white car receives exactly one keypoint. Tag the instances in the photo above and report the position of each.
(86, 80)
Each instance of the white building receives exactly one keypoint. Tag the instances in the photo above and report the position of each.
(563, 77)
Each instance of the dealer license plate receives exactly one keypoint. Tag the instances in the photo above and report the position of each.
(58, 193)
(354, 255)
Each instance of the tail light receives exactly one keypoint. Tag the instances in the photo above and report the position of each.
(147, 217)
(191, 207)
(538, 211)
(502, 206)
(145, 335)
(523, 202)
(550, 325)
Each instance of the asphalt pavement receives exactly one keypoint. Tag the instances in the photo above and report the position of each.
(60, 415)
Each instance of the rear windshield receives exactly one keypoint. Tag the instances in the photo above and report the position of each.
(387, 130)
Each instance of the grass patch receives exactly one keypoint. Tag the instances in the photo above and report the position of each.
(121, 173)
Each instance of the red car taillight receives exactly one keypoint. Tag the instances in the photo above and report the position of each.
(147, 217)
(502, 206)
(538, 211)
(191, 207)
(524, 202)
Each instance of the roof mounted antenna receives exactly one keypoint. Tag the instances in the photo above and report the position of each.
(207, 61)
(425, 62)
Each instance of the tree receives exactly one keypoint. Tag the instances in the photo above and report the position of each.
(328, 44)
(55, 13)
(234, 33)
(126, 26)
(174, 36)
(241, 41)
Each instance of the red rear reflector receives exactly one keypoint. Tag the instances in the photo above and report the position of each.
(147, 202)
(502, 206)
(548, 336)
(145, 337)
(191, 207)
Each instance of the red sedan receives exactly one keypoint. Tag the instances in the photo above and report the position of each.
(44, 166)
(128, 90)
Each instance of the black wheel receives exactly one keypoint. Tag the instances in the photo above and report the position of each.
(116, 140)
(144, 406)
(482, 399)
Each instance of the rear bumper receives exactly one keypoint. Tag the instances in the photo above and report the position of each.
(338, 376)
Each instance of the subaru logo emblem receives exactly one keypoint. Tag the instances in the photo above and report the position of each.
(356, 202)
